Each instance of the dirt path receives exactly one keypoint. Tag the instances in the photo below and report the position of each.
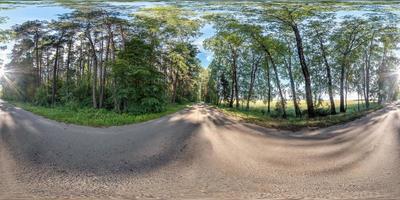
(198, 153)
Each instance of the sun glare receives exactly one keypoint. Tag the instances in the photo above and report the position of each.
(398, 74)
(2, 72)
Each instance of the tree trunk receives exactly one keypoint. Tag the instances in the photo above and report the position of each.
(234, 69)
(342, 77)
(37, 60)
(269, 87)
(368, 67)
(174, 86)
(293, 88)
(232, 91)
(328, 75)
(306, 74)
(123, 39)
(68, 63)
(94, 79)
(358, 97)
(278, 84)
(103, 77)
(381, 70)
(54, 85)
(346, 88)
(253, 74)
(80, 63)
(47, 69)
(101, 65)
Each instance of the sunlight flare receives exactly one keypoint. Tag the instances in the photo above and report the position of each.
(2, 72)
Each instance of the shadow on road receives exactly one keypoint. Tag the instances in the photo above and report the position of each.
(135, 148)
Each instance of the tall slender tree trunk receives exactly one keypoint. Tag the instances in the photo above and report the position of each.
(293, 88)
(37, 59)
(54, 85)
(328, 75)
(381, 70)
(101, 65)
(94, 74)
(114, 81)
(103, 78)
(232, 91)
(366, 81)
(68, 63)
(306, 74)
(40, 66)
(342, 77)
(81, 57)
(346, 89)
(269, 87)
(234, 69)
(174, 86)
(47, 69)
(122, 32)
(278, 84)
(234, 87)
(253, 74)
(367, 73)
(358, 97)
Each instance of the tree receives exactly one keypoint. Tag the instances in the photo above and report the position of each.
(140, 87)
(171, 30)
(319, 29)
(227, 42)
(32, 30)
(292, 16)
(348, 38)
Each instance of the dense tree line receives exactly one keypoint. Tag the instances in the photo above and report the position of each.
(303, 52)
(141, 62)
(104, 59)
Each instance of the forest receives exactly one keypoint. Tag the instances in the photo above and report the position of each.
(297, 60)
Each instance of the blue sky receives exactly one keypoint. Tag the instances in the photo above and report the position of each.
(25, 13)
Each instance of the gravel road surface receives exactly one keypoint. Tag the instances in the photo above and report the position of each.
(198, 153)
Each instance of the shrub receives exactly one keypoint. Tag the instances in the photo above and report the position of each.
(151, 104)
(42, 97)
(322, 112)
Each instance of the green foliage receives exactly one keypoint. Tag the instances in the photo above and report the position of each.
(139, 86)
(42, 96)
(98, 58)
(73, 114)
(261, 118)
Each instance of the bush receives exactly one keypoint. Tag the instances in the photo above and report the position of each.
(278, 111)
(322, 112)
(42, 97)
(152, 105)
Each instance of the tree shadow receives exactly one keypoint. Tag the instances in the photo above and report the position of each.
(66, 148)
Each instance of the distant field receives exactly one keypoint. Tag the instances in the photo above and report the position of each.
(257, 114)
(352, 105)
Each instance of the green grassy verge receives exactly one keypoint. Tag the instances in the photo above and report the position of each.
(292, 123)
(94, 117)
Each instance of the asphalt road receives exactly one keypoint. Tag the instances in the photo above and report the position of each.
(198, 153)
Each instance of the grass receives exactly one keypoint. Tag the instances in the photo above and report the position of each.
(95, 117)
(257, 115)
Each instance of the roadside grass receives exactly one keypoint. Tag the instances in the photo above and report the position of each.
(95, 117)
(257, 115)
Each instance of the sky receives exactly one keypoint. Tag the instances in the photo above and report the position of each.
(24, 13)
